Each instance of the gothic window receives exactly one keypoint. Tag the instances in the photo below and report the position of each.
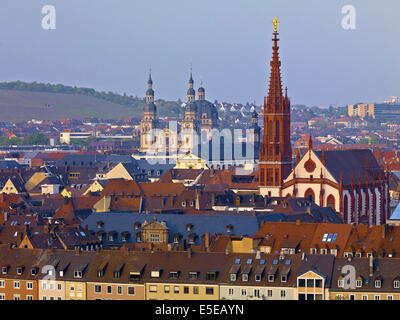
(331, 201)
(309, 193)
(277, 134)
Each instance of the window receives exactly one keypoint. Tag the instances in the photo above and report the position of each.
(258, 277)
(193, 275)
(302, 283)
(340, 283)
(173, 275)
(390, 297)
(211, 275)
(176, 289)
(377, 297)
(377, 283)
(257, 293)
(185, 290)
(233, 277)
(195, 290)
(283, 278)
(209, 290)
(29, 297)
(59, 286)
(131, 290)
(244, 292)
(166, 289)
(16, 285)
(2, 284)
(365, 297)
(153, 288)
(97, 289)
(119, 290)
(29, 285)
(313, 251)
(352, 297)
(154, 237)
(358, 283)
(318, 283)
(323, 251)
(19, 271)
(230, 291)
(245, 277)
(78, 274)
(4, 270)
(269, 293)
(271, 278)
(283, 293)
(334, 252)
(396, 284)
(109, 289)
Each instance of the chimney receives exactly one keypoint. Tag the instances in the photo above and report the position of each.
(371, 266)
(207, 241)
(189, 253)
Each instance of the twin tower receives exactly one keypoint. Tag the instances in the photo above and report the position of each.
(199, 115)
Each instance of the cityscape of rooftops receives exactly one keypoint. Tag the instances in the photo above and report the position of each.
(199, 150)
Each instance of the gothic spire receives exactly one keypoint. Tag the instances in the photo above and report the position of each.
(275, 98)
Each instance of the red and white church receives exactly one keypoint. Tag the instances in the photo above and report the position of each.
(349, 181)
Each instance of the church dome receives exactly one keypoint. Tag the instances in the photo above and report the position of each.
(206, 107)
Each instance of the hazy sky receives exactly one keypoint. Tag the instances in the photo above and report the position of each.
(109, 45)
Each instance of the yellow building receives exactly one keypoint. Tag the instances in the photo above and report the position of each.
(191, 161)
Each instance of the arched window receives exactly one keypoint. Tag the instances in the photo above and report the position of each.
(309, 193)
(277, 133)
(345, 208)
(331, 201)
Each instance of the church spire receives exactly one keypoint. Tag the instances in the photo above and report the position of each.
(150, 91)
(275, 98)
(275, 157)
(191, 93)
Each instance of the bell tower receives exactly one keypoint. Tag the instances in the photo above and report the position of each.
(275, 155)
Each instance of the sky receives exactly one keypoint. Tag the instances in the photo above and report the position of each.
(110, 45)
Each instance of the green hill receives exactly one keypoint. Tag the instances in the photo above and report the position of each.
(20, 101)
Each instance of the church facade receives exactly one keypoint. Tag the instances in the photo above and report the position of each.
(349, 181)
(200, 117)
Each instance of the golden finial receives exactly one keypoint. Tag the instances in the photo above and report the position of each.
(275, 23)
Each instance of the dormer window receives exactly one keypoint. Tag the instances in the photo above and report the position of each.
(271, 278)
(396, 284)
(183, 203)
(340, 283)
(34, 271)
(173, 275)
(19, 270)
(283, 278)
(257, 277)
(78, 274)
(358, 283)
(233, 277)
(245, 277)
(212, 275)
(378, 283)
(4, 269)
(61, 273)
(155, 273)
(193, 275)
